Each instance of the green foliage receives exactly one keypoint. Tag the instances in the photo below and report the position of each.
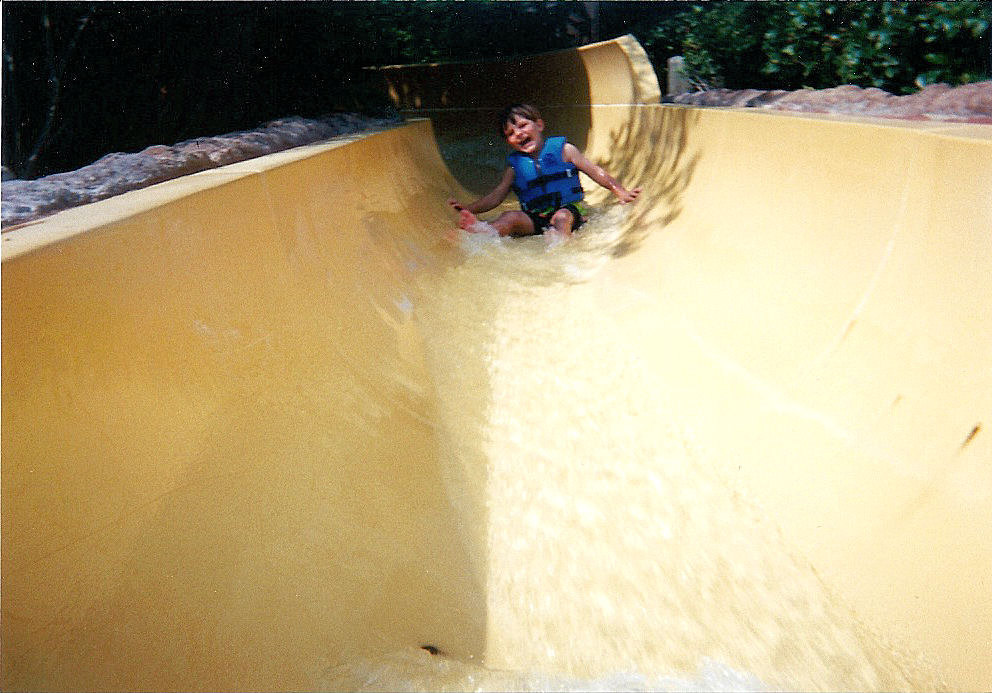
(897, 46)
(142, 73)
(719, 42)
(84, 78)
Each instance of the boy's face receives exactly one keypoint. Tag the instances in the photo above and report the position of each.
(524, 135)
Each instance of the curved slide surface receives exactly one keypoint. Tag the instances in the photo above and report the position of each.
(264, 428)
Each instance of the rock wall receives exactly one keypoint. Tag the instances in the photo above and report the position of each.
(26, 200)
(967, 103)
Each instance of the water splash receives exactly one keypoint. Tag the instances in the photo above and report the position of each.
(417, 670)
(615, 551)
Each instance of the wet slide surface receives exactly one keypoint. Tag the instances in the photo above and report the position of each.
(259, 434)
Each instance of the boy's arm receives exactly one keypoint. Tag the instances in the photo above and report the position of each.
(490, 200)
(572, 155)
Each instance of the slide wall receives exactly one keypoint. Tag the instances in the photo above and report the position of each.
(231, 461)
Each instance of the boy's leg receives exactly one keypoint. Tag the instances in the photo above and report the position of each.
(563, 220)
(507, 224)
(515, 224)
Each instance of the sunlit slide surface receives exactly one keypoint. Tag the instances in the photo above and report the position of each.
(266, 427)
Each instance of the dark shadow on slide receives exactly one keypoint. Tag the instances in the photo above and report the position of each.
(654, 151)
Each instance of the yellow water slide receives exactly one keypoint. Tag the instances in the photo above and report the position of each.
(266, 428)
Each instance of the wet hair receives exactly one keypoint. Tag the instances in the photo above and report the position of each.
(524, 110)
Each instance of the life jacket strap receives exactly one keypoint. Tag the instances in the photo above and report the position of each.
(551, 177)
(548, 201)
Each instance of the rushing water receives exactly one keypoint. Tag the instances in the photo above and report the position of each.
(616, 554)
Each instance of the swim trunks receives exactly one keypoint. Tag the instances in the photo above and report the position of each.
(542, 219)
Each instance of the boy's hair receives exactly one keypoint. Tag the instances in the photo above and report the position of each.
(524, 110)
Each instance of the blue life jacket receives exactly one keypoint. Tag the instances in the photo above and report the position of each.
(545, 183)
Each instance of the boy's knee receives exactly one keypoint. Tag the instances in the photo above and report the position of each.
(562, 217)
(513, 224)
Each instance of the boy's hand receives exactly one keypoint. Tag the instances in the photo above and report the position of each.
(625, 195)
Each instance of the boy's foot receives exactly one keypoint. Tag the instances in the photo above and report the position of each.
(466, 219)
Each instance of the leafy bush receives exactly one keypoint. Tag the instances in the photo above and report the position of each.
(84, 78)
(897, 46)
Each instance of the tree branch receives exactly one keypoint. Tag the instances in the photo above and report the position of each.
(55, 74)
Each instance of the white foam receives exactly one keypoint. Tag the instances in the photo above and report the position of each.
(416, 670)
(612, 542)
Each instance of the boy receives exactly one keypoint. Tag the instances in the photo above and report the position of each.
(544, 175)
